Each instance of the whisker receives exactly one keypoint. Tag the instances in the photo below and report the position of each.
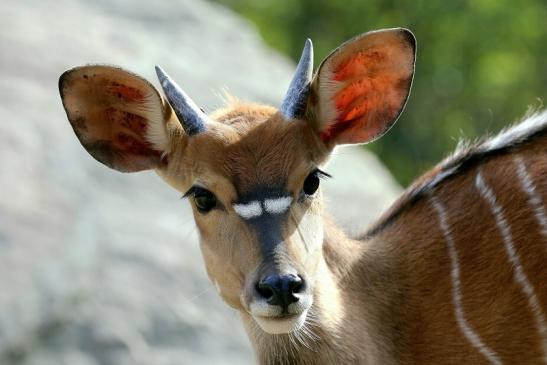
(191, 299)
(291, 214)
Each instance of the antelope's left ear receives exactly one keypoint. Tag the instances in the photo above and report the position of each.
(361, 87)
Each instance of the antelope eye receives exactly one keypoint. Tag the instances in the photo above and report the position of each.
(204, 199)
(311, 184)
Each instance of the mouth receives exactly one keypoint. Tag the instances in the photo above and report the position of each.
(281, 324)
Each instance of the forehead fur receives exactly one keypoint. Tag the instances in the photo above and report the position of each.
(254, 145)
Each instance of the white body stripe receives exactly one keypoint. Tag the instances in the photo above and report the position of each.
(466, 329)
(518, 272)
(277, 205)
(249, 210)
(533, 197)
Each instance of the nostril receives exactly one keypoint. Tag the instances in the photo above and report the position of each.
(265, 290)
(280, 289)
(296, 285)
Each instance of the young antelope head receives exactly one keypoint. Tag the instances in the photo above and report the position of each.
(251, 172)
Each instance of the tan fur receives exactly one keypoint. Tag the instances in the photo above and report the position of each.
(385, 298)
(231, 159)
(493, 302)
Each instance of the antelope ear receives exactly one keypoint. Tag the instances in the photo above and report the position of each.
(361, 87)
(119, 117)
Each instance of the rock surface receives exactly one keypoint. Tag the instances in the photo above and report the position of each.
(102, 268)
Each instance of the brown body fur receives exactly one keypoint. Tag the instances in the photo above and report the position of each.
(492, 301)
(398, 282)
(385, 298)
(393, 295)
(397, 305)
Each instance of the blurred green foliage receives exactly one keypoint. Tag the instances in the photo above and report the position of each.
(480, 63)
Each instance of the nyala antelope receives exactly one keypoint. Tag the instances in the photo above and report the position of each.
(454, 273)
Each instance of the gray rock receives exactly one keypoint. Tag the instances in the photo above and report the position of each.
(360, 188)
(99, 267)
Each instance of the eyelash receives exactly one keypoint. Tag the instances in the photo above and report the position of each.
(319, 173)
(322, 174)
(192, 191)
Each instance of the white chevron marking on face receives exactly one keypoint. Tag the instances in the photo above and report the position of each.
(249, 210)
(277, 205)
(256, 208)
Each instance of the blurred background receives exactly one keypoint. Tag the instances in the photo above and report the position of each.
(103, 268)
(480, 63)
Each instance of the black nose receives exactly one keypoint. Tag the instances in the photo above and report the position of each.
(280, 289)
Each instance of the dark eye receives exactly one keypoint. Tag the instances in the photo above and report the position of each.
(204, 199)
(311, 184)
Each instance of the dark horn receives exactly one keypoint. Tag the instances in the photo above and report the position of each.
(294, 104)
(192, 119)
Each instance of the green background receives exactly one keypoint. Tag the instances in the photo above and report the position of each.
(481, 64)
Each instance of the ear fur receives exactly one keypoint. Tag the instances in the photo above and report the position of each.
(361, 88)
(118, 116)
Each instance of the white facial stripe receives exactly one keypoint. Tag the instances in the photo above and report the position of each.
(249, 210)
(254, 208)
(277, 205)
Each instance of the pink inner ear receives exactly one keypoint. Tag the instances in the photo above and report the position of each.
(131, 145)
(373, 86)
(362, 86)
(129, 130)
(133, 122)
(127, 93)
(367, 95)
(111, 112)
(366, 104)
(359, 64)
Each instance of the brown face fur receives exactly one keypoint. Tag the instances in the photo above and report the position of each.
(250, 147)
(453, 274)
(254, 160)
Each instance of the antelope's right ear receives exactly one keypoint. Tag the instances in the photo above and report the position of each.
(119, 117)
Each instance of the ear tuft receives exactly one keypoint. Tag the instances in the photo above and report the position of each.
(361, 87)
(117, 116)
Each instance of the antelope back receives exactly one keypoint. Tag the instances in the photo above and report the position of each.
(471, 240)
